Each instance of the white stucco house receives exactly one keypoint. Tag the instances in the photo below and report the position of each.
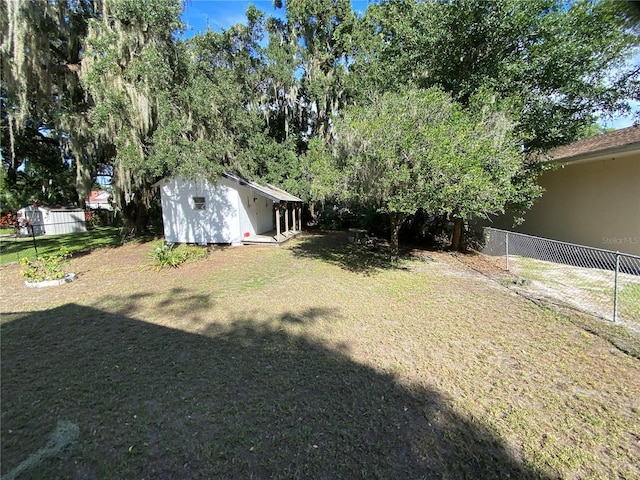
(231, 210)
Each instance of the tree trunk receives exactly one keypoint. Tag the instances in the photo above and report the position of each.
(135, 216)
(312, 212)
(396, 219)
(128, 209)
(456, 241)
(142, 215)
(84, 180)
(135, 212)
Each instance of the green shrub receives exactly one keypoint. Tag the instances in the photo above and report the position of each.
(45, 267)
(164, 255)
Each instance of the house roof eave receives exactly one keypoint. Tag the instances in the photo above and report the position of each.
(608, 153)
(625, 141)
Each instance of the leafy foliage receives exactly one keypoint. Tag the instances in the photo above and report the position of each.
(420, 149)
(130, 69)
(34, 165)
(172, 256)
(45, 267)
(9, 220)
(561, 63)
(322, 32)
(105, 86)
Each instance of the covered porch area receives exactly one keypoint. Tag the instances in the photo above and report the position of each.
(270, 238)
(288, 223)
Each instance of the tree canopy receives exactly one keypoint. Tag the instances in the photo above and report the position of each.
(419, 149)
(560, 63)
(108, 87)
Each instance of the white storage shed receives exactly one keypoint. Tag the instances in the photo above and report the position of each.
(51, 220)
(232, 210)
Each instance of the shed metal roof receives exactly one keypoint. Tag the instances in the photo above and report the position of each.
(54, 208)
(271, 192)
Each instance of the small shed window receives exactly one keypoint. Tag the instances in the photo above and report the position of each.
(198, 203)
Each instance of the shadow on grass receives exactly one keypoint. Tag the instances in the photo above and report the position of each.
(335, 248)
(240, 400)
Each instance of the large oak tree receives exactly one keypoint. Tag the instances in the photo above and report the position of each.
(420, 149)
(108, 84)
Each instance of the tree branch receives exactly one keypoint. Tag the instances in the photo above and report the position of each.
(44, 139)
(66, 68)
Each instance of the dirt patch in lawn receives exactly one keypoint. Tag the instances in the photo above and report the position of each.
(584, 295)
(319, 359)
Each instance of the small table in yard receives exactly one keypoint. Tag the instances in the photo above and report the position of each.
(360, 236)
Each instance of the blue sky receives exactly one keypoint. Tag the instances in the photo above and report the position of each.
(221, 14)
(621, 122)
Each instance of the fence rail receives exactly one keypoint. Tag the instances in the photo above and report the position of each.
(34, 229)
(25, 238)
(601, 282)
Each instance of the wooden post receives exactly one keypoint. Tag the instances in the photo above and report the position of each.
(293, 212)
(286, 217)
(277, 220)
(300, 218)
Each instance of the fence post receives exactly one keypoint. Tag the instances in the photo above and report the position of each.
(33, 236)
(615, 288)
(506, 248)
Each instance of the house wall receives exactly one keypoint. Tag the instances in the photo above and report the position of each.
(219, 222)
(594, 203)
(100, 206)
(99, 201)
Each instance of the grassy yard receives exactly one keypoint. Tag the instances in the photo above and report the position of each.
(315, 360)
(12, 249)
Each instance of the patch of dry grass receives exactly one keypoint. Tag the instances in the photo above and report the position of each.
(316, 360)
(588, 289)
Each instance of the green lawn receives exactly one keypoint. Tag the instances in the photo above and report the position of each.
(318, 359)
(13, 249)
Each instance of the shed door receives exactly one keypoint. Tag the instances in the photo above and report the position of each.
(247, 213)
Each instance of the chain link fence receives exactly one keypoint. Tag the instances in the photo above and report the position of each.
(28, 238)
(600, 282)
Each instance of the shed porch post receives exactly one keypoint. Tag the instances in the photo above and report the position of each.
(300, 217)
(293, 212)
(277, 220)
(286, 218)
